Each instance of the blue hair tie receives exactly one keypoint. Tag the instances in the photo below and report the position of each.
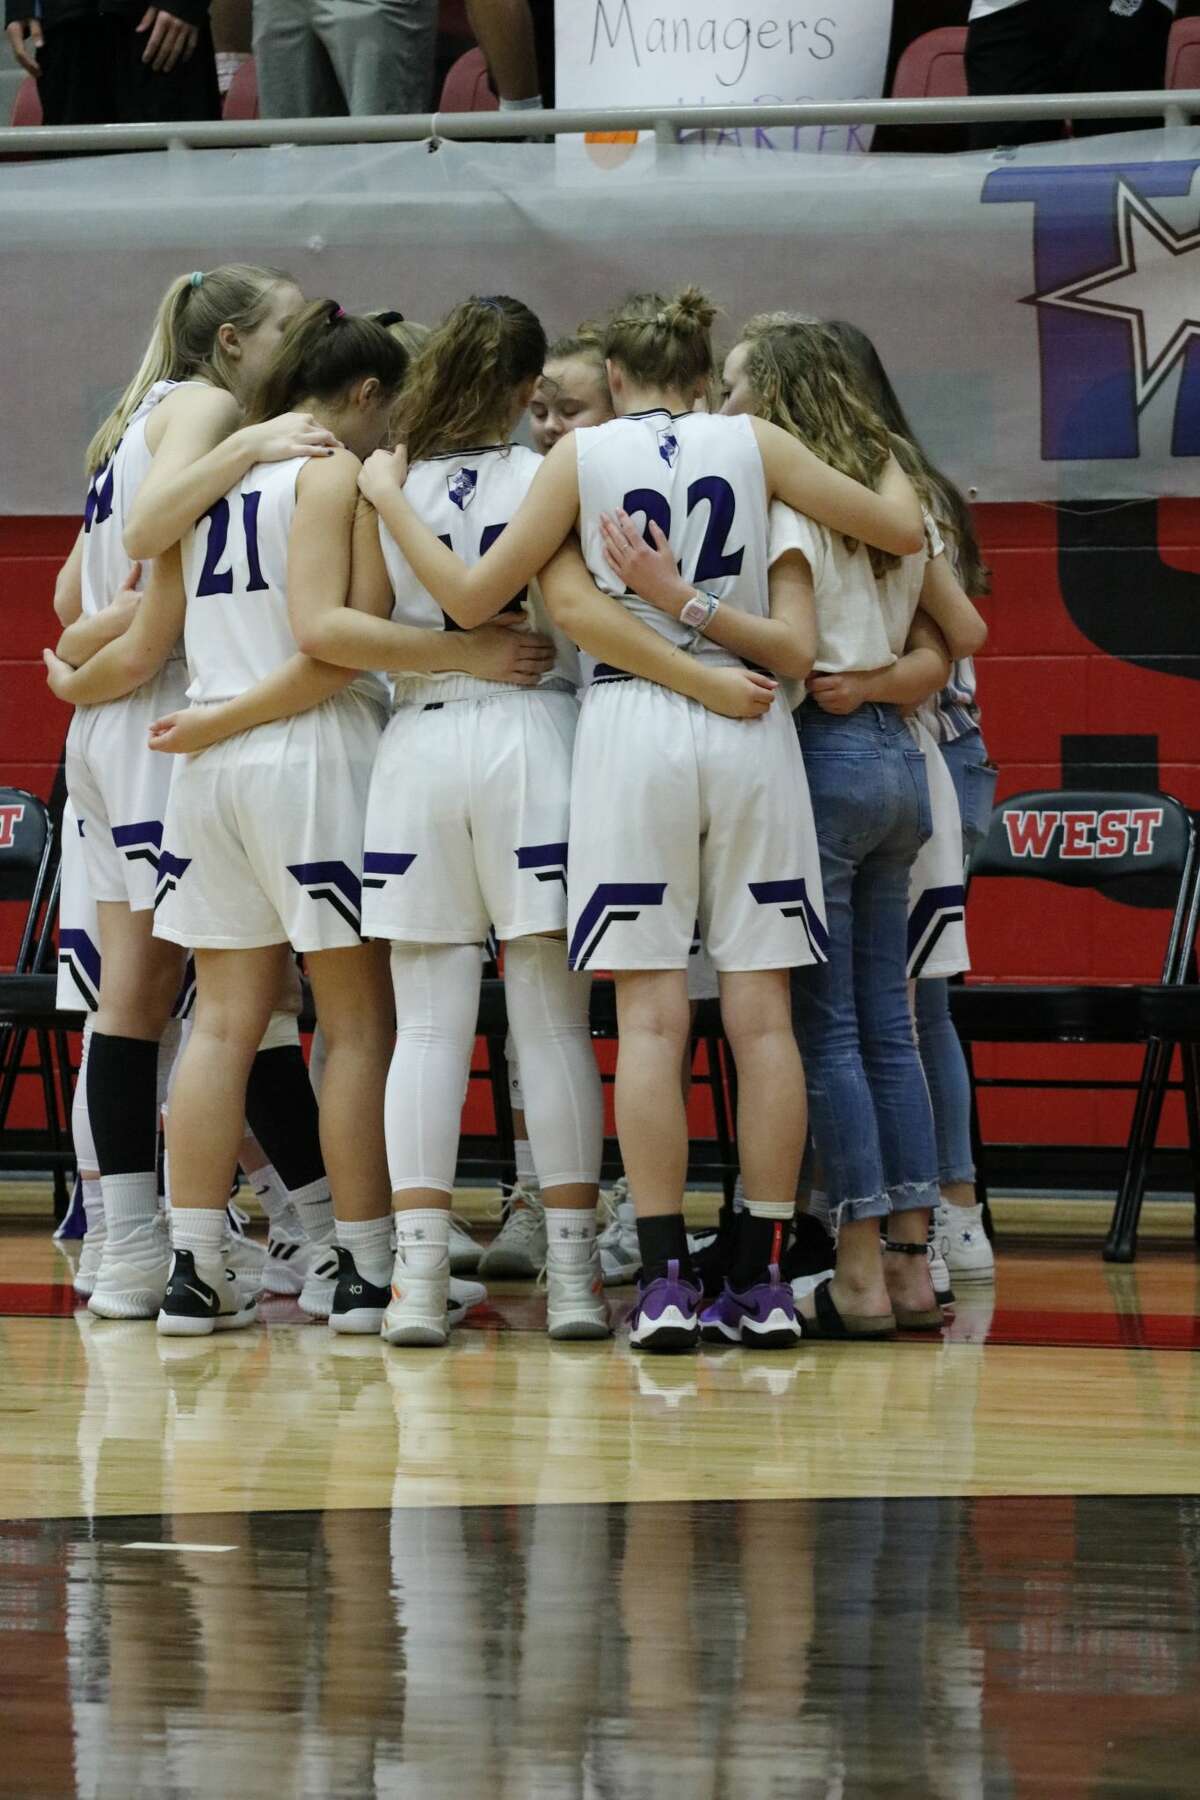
(197, 278)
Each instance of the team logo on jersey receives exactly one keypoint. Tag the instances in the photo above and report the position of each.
(791, 897)
(547, 862)
(10, 818)
(935, 912)
(380, 865)
(140, 842)
(1117, 280)
(80, 957)
(612, 902)
(334, 883)
(461, 487)
(668, 445)
(1119, 831)
(171, 871)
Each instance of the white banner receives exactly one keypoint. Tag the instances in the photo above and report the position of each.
(725, 53)
(1037, 312)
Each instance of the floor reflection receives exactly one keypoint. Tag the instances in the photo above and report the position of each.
(688, 1651)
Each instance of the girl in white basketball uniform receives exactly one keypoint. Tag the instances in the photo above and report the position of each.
(872, 1124)
(674, 816)
(213, 334)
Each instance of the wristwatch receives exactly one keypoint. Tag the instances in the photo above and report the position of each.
(699, 611)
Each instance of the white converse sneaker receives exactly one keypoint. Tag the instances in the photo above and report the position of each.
(464, 1251)
(88, 1266)
(939, 1275)
(959, 1235)
(417, 1312)
(620, 1257)
(133, 1273)
(575, 1303)
(518, 1250)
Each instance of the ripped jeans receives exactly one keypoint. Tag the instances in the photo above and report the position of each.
(871, 1118)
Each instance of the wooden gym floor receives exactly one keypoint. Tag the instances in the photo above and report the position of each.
(279, 1563)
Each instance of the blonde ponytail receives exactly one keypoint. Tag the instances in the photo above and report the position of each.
(664, 342)
(184, 342)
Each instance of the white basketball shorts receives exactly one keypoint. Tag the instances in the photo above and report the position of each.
(682, 819)
(119, 787)
(264, 833)
(937, 931)
(467, 821)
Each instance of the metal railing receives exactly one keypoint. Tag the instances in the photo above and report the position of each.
(667, 122)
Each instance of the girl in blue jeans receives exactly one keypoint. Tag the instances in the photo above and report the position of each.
(952, 716)
(871, 1117)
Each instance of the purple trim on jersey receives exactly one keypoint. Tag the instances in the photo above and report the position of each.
(935, 912)
(380, 865)
(81, 956)
(171, 870)
(332, 881)
(134, 841)
(612, 901)
(548, 862)
(791, 897)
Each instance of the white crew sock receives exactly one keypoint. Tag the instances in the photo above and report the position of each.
(269, 1191)
(315, 1208)
(423, 1238)
(129, 1201)
(93, 1204)
(771, 1209)
(533, 103)
(200, 1229)
(570, 1235)
(369, 1242)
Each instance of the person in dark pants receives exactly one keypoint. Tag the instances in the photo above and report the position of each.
(1064, 46)
(116, 62)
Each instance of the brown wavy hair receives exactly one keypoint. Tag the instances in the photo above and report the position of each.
(663, 342)
(466, 372)
(322, 353)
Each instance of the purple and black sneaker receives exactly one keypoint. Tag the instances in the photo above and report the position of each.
(762, 1317)
(667, 1314)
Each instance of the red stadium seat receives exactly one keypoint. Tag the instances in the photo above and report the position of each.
(466, 87)
(27, 107)
(933, 67)
(1183, 54)
(241, 102)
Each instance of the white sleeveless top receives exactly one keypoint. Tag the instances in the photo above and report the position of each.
(110, 496)
(701, 476)
(467, 497)
(237, 630)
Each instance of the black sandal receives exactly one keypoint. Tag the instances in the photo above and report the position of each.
(830, 1323)
(910, 1318)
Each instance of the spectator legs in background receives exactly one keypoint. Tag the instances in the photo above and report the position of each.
(296, 78)
(504, 29)
(93, 74)
(1017, 51)
(381, 52)
(1109, 50)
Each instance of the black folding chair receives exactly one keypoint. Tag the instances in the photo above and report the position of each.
(29, 875)
(1136, 847)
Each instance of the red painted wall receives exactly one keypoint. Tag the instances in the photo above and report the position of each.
(1075, 598)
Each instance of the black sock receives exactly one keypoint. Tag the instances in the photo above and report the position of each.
(281, 1111)
(122, 1092)
(759, 1243)
(662, 1240)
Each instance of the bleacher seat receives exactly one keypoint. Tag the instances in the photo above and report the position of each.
(933, 66)
(1183, 54)
(466, 87)
(27, 107)
(241, 102)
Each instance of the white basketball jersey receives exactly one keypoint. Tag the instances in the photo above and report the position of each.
(235, 564)
(110, 497)
(467, 497)
(700, 475)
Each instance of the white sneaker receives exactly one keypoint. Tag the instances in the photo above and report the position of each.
(518, 1251)
(247, 1259)
(291, 1254)
(620, 1257)
(203, 1297)
(959, 1235)
(939, 1275)
(88, 1266)
(575, 1303)
(464, 1251)
(320, 1282)
(461, 1296)
(417, 1312)
(133, 1273)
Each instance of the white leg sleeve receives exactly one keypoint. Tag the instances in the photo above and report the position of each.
(81, 1124)
(437, 1010)
(548, 1017)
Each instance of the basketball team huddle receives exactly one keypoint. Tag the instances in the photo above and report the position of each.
(684, 695)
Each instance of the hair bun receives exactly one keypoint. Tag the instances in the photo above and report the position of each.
(688, 312)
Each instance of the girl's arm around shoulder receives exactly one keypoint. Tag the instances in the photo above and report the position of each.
(139, 653)
(890, 519)
(68, 584)
(959, 620)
